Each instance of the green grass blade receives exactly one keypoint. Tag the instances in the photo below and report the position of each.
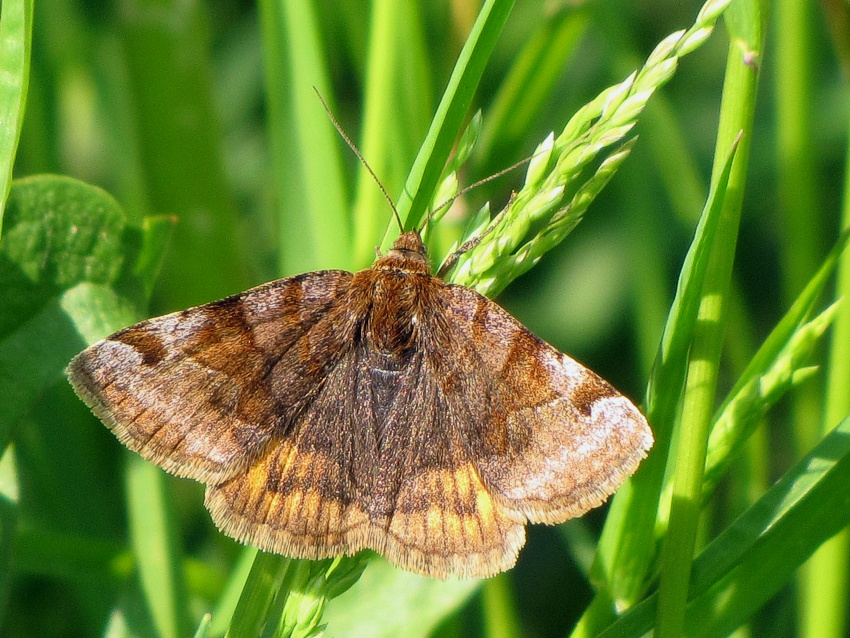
(229, 599)
(15, 45)
(388, 118)
(823, 602)
(310, 183)
(265, 579)
(448, 120)
(756, 556)
(730, 430)
(736, 115)
(9, 495)
(157, 231)
(626, 547)
(379, 127)
(168, 63)
(498, 608)
(528, 85)
(153, 537)
(825, 608)
(204, 627)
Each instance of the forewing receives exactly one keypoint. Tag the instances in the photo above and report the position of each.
(197, 392)
(353, 474)
(549, 437)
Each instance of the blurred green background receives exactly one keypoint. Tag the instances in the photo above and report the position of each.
(164, 103)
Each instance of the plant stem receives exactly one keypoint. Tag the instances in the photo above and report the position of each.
(743, 18)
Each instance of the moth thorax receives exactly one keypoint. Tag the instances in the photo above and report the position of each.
(393, 322)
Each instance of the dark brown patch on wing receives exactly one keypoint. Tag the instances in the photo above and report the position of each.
(592, 389)
(148, 344)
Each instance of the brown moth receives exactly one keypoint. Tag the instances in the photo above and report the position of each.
(387, 409)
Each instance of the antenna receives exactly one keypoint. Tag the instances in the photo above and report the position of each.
(362, 159)
(480, 182)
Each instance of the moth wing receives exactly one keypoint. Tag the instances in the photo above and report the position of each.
(548, 436)
(191, 392)
(355, 473)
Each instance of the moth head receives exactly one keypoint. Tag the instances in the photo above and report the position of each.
(408, 253)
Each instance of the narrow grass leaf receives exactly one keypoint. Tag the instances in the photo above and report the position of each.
(8, 522)
(153, 536)
(204, 626)
(448, 120)
(626, 547)
(229, 599)
(793, 319)
(167, 56)
(265, 580)
(756, 555)
(310, 182)
(384, 124)
(529, 83)
(498, 608)
(156, 235)
(782, 345)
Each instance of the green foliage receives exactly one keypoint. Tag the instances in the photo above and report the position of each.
(216, 168)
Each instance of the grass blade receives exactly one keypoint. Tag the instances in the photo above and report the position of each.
(310, 182)
(626, 548)
(153, 536)
(168, 62)
(390, 117)
(8, 522)
(448, 120)
(753, 558)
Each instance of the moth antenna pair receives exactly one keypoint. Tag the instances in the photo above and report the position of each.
(451, 260)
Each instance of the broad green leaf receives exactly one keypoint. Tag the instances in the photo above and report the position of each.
(15, 44)
(62, 251)
(389, 602)
(72, 272)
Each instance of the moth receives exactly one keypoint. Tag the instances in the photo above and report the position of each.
(386, 409)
